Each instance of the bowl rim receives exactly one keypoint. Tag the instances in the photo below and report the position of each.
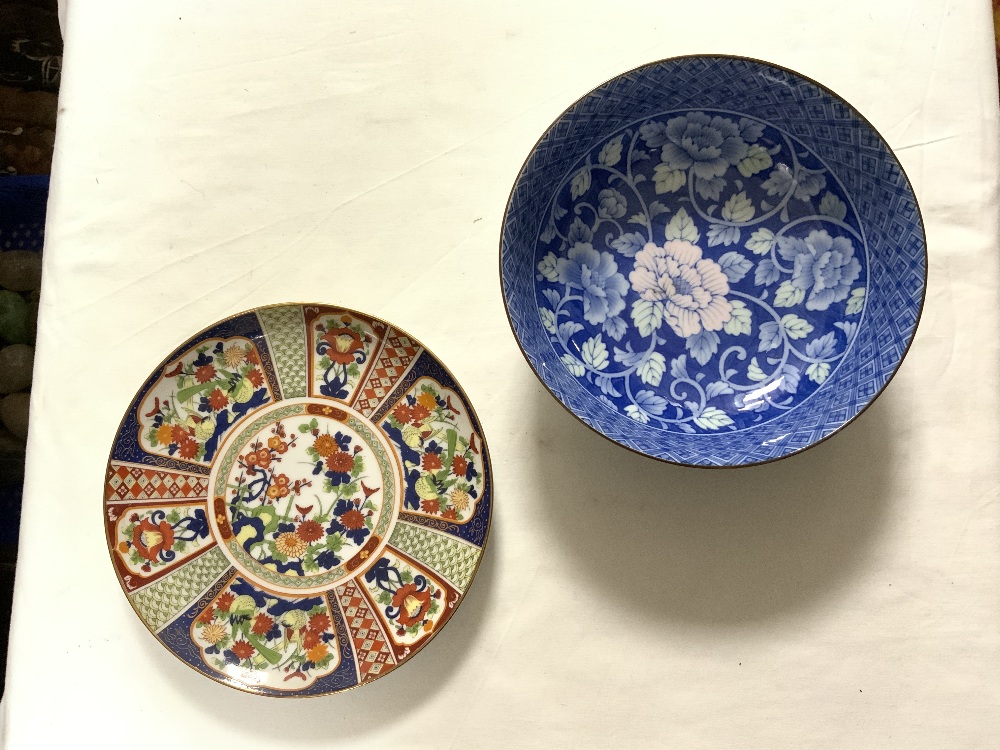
(719, 56)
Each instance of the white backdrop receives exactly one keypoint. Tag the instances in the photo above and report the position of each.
(217, 156)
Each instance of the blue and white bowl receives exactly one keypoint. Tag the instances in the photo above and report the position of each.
(713, 261)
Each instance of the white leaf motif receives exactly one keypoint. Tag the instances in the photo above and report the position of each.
(754, 372)
(615, 327)
(788, 295)
(553, 297)
(831, 205)
(656, 208)
(721, 234)
(547, 267)
(667, 180)
(678, 368)
(650, 402)
(703, 345)
(823, 347)
(795, 327)
(637, 414)
(628, 357)
(611, 154)
(648, 316)
(607, 386)
(579, 232)
(856, 302)
(767, 273)
(740, 321)
(734, 265)
(651, 371)
(738, 208)
(681, 227)
(580, 183)
(629, 243)
(575, 366)
(761, 242)
(818, 371)
(548, 319)
(595, 353)
(717, 388)
(568, 328)
(757, 160)
(713, 419)
(770, 336)
(848, 328)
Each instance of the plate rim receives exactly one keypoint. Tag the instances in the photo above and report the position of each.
(758, 61)
(488, 482)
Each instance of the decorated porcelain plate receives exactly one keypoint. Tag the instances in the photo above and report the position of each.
(297, 500)
(713, 261)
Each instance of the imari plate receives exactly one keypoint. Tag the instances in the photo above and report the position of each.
(713, 261)
(298, 499)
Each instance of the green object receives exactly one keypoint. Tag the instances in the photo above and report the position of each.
(14, 326)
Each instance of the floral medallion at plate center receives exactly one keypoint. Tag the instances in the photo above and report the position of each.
(713, 261)
(304, 494)
(297, 500)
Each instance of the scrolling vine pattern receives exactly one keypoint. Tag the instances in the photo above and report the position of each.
(701, 271)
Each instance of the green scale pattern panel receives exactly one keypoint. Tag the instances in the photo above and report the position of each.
(160, 602)
(454, 559)
(286, 336)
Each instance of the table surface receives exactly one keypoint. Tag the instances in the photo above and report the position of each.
(215, 157)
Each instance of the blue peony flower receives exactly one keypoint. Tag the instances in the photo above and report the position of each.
(824, 267)
(596, 274)
(709, 145)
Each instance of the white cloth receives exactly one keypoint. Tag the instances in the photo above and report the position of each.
(217, 156)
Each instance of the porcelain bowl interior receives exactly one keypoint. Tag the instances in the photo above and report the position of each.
(713, 261)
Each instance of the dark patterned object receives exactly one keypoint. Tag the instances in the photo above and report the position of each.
(713, 261)
(297, 499)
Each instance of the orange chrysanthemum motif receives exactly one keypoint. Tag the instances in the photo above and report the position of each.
(420, 413)
(460, 499)
(290, 544)
(204, 373)
(430, 506)
(403, 414)
(262, 624)
(459, 466)
(352, 519)
(451, 514)
(310, 531)
(234, 356)
(178, 433)
(243, 650)
(213, 633)
(324, 445)
(255, 377)
(431, 461)
(218, 400)
(340, 461)
(188, 448)
(311, 638)
(319, 622)
(317, 652)
(225, 601)
(427, 400)
(164, 435)
(207, 615)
